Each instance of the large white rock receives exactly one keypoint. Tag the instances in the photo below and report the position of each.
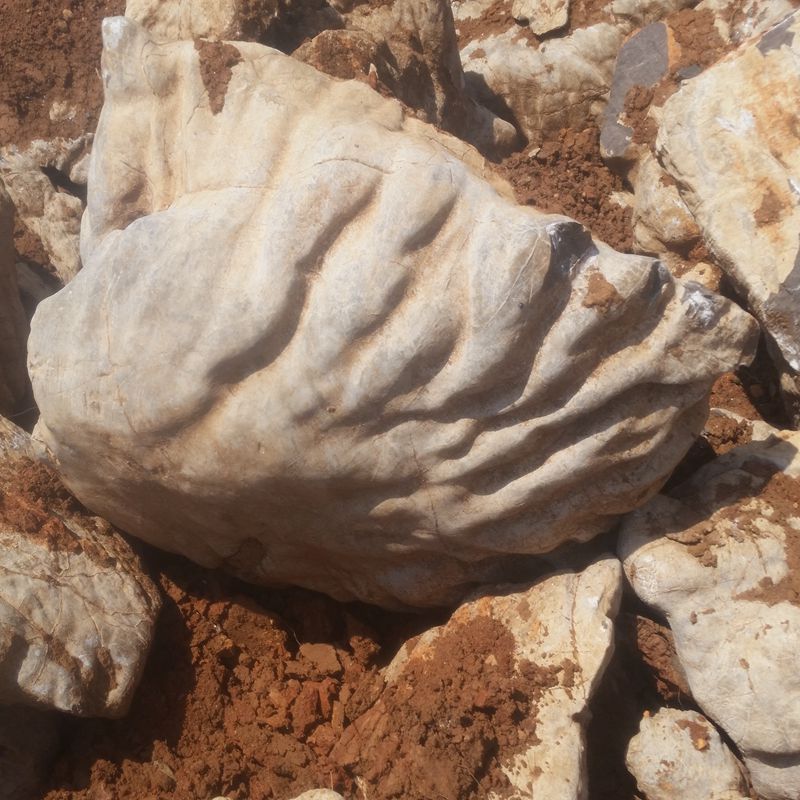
(14, 384)
(679, 755)
(311, 345)
(77, 613)
(720, 559)
(730, 139)
(552, 643)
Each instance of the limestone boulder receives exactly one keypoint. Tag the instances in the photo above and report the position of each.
(408, 48)
(720, 558)
(77, 613)
(729, 139)
(14, 383)
(47, 184)
(387, 380)
(500, 691)
(679, 754)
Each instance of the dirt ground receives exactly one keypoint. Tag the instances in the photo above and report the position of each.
(248, 692)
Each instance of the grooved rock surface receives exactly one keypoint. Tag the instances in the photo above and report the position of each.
(374, 375)
(76, 612)
(14, 384)
(500, 691)
(720, 558)
(730, 139)
(679, 755)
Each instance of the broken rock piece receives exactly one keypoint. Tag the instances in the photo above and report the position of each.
(720, 558)
(730, 140)
(679, 754)
(76, 611)
(498, 696)
(393, 382)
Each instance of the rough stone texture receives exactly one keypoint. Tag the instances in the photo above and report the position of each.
(28, 743)
(541, 16)
(730, 139)
(76, 612)
(14, 384)
(557, 83)
(319, 794)
(411, 46)
(174, 20)
(736, 22)
(393, 382)
(46, 181)
(679, 755)
(720, 558)
(561, 642)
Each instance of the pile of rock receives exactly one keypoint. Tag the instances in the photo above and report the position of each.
(308, 336)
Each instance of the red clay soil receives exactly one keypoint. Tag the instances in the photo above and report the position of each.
(568, 176)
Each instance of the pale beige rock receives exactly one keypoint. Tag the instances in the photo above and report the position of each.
(719, 559)
(541, 16)
(53, 215)
(14, 384)
(386, 380)
(736, 22)
(730, 139)
(411, 45)
(568, 628)
(76, 611)
(319, 794)
(561, 82)
(678, 755)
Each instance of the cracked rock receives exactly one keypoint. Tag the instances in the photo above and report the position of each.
(76, 612)
(516, 666)
(679, 754)
(395, 383)
(720, 558)
(729, 138)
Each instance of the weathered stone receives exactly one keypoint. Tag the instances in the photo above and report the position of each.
(76, 612)
(736, 22)
(411, 46)
(394, 383)
(730, 139)
(319, 794)
(14, 384)
(545, 86)
(679, 754)
(561, 640)
(541, 16)
(720, 558)
(44, 183)
(28, 744)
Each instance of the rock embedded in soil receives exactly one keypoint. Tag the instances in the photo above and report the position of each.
(494, 702)
(76, 611)
(392, 383)
(47, 182)
(729, 138)
(720, 558)
(14, 383)
(679, 755)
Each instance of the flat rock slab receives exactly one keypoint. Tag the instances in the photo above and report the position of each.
(730, 139)
(500, 691)
(77, 613)
(720, 558)
(374, 375)
(679, 755)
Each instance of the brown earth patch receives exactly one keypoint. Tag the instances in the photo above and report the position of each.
(568, 176)
(600, 294)
(770, 210)
(724, 434)
(698, 732)
(217, 60)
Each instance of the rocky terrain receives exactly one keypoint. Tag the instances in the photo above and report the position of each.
(399, 399)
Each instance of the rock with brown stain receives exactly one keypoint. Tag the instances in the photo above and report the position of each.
(15, 392)
(77, 613)
(720, 558)
(412, 47)
(731, 140)
(387, 380)
(495, 700)
(679, 755)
